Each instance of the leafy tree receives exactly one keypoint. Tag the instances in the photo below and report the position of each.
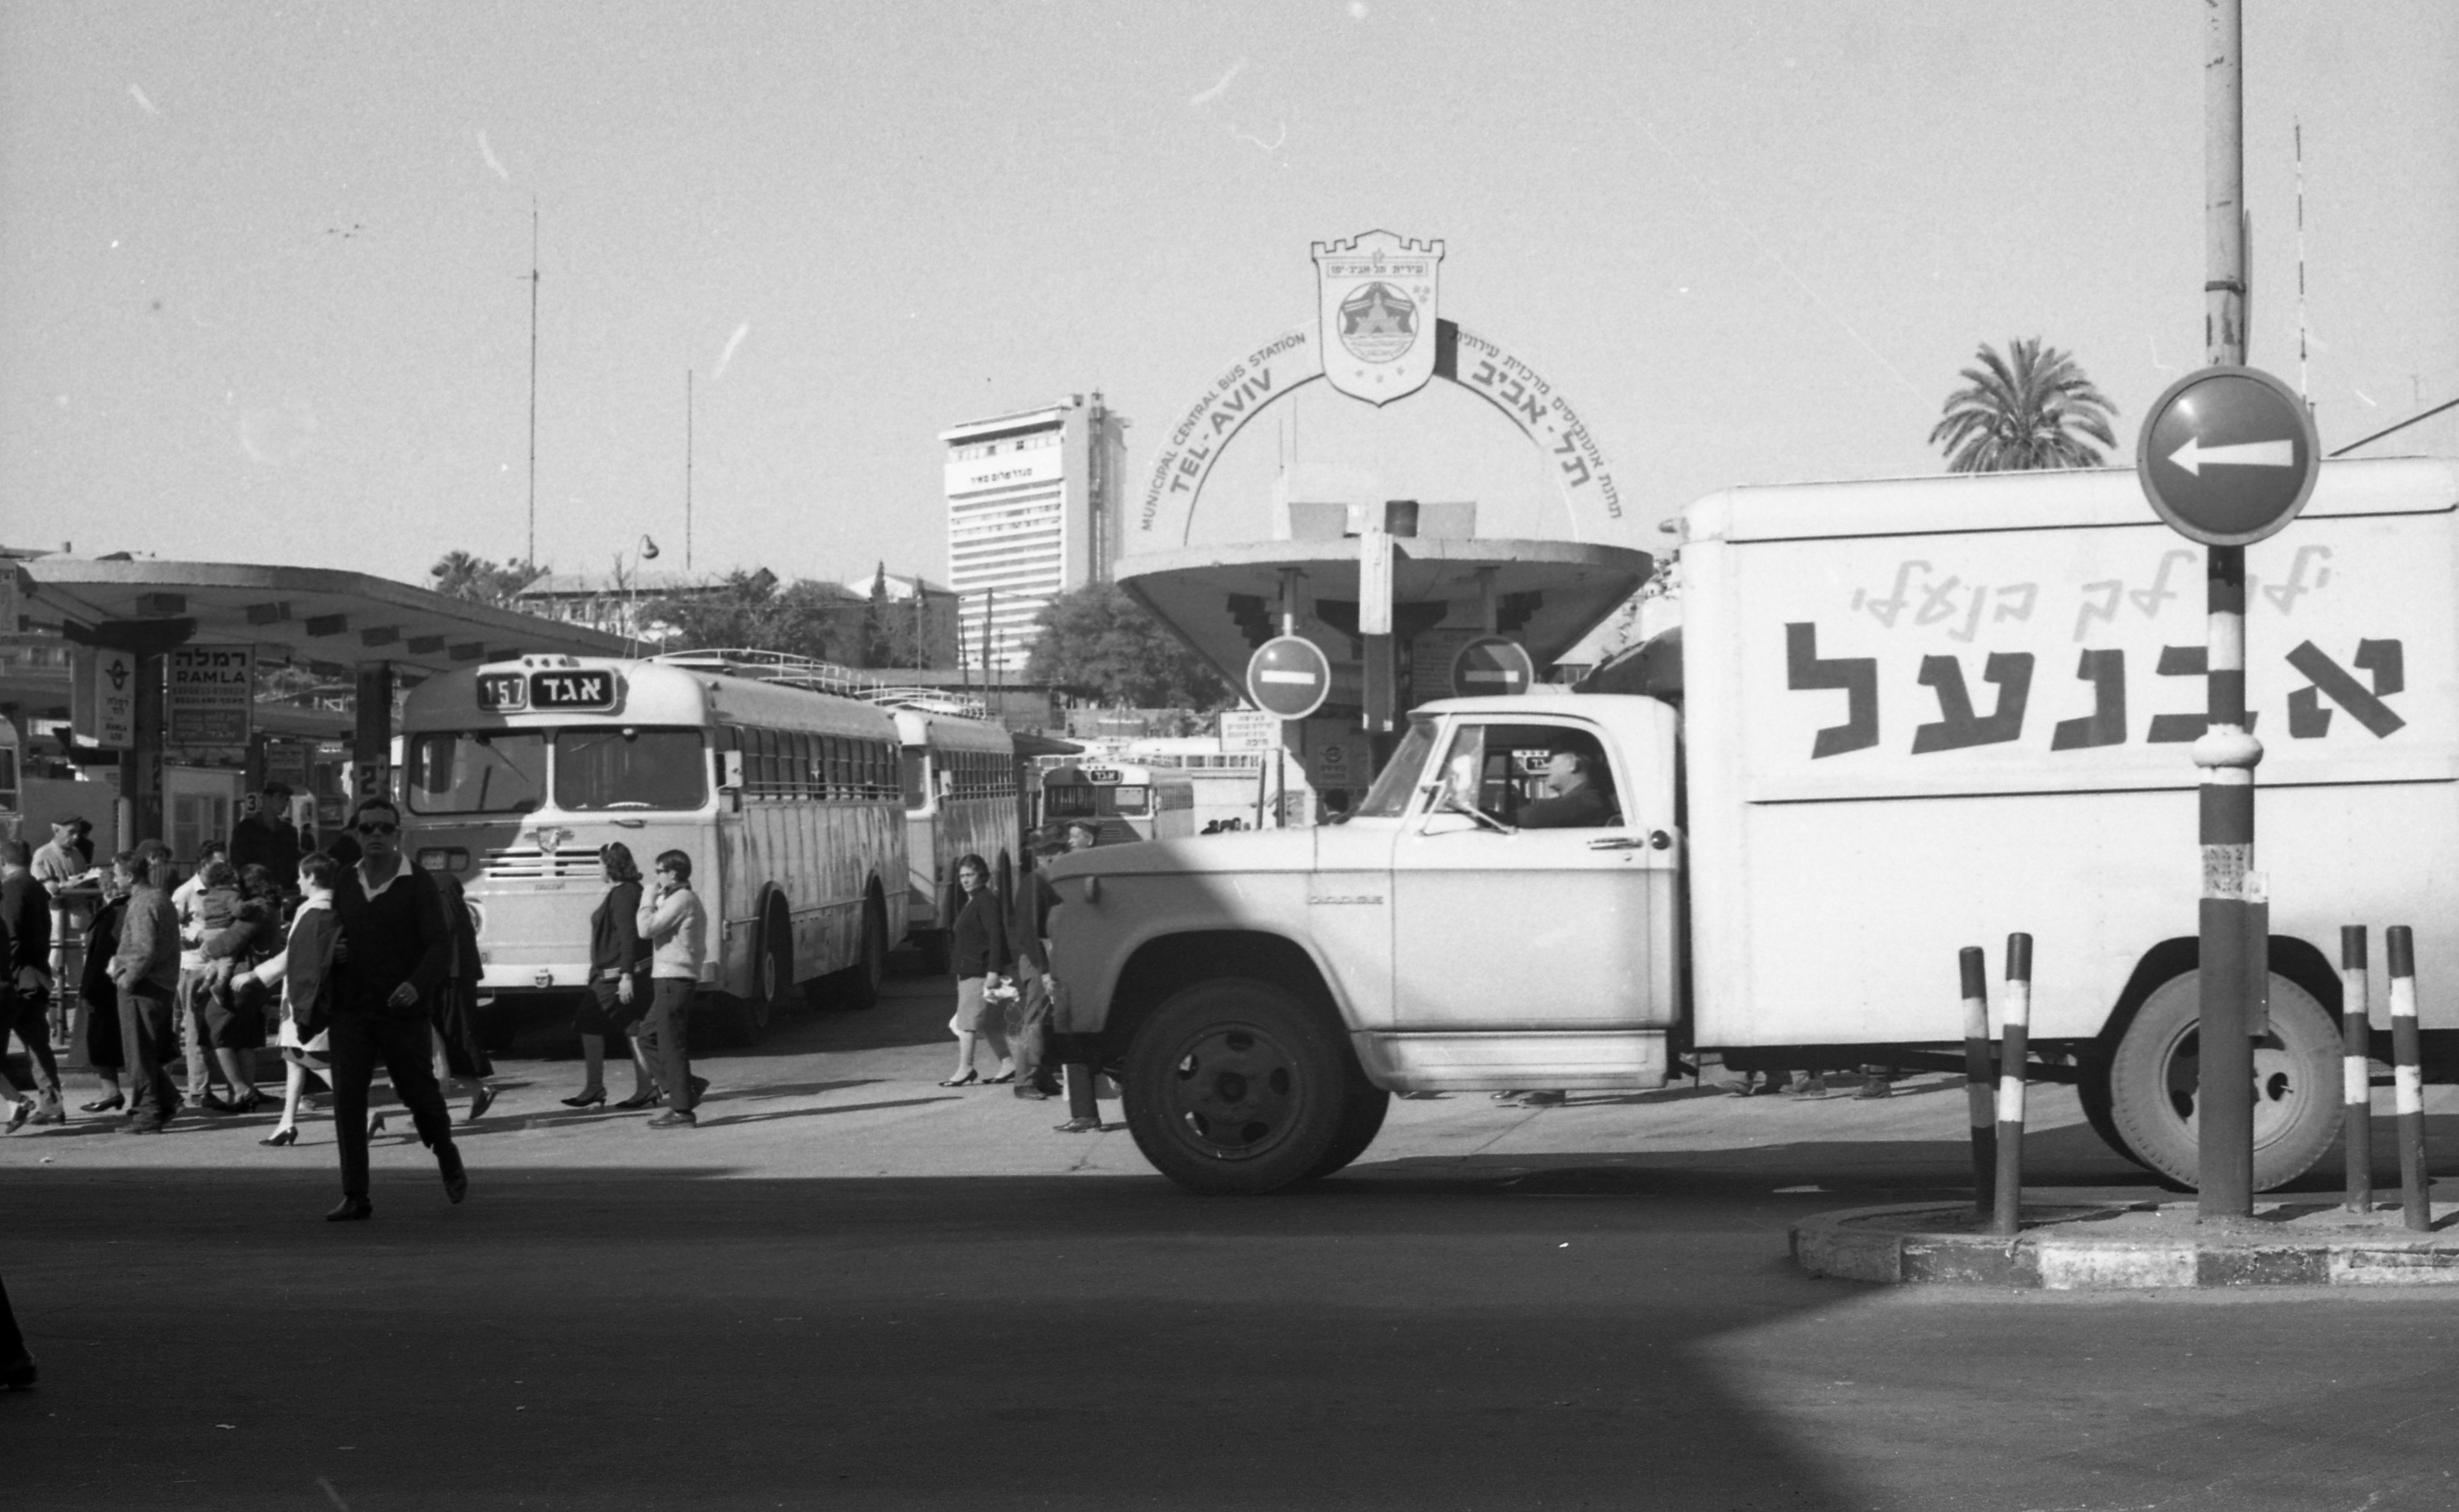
(751, 610)
(1098, 638)
(2032, 408)
(878, 624)
(462, 575)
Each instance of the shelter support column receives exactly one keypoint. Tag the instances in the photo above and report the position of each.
(140, 772)
(371, 741)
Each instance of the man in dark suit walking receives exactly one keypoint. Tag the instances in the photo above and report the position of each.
(393, 953)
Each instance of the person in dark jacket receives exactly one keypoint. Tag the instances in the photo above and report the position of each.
(26, 990)
(395, 949)
(979, 953)
(460, 1048)
(102, 1051)
(1028, 925)
(145, 970)
(264, 836)
(618, 984)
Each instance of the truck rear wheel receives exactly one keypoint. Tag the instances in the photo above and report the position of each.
(1233, 1087)
(2151, 1084)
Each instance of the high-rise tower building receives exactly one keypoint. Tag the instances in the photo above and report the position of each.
(1034, 509)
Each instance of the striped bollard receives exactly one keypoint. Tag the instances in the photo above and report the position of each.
(2398, 943)
(1979, 1082)
(2017, 1019)
(2356, 1071)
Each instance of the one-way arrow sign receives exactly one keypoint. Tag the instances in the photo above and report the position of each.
(2227, 455)
(2194, 457)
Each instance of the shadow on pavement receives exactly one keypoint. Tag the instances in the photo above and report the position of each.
(630, 1337)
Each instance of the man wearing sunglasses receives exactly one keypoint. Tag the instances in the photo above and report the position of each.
(393, 953)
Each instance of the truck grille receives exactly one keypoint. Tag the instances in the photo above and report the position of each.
(529, 863)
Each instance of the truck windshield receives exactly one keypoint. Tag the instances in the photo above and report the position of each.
(629, 768)
(1389, 797)
(476, 771)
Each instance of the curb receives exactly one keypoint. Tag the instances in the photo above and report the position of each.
(2108, 1246)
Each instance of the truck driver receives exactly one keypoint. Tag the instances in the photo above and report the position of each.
(1579, 800)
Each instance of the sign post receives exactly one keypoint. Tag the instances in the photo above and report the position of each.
(1491, 664)
(1288, 677)
(2228, 456)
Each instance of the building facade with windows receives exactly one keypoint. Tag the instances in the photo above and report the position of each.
(1034, 511)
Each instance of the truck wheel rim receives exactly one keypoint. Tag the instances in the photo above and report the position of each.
(2277, 1095)
(1235, 1092)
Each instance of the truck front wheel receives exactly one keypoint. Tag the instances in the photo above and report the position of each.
(1233, 1087)
(2151, 1084)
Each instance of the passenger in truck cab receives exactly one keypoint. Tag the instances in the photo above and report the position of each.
(1576, 779)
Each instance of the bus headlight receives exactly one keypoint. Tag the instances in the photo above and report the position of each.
(444, 858)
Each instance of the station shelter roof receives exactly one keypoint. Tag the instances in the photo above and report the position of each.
(328, 620)
(1223, 601)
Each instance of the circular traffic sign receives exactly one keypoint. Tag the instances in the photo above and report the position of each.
(1491, 664)
(2228, 456)
(1289, 676)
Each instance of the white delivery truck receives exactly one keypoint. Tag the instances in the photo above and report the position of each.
(1910, 716)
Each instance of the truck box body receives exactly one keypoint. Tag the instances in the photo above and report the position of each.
(1923, 714)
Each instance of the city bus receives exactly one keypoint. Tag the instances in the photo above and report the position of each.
(962, 788)
(1128, 801)
(784, 794)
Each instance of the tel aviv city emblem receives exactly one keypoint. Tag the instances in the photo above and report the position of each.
(1378, 302)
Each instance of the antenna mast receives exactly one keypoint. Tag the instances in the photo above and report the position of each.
(532, 558)
(687, 470)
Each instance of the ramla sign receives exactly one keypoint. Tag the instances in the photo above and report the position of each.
(1378, 337)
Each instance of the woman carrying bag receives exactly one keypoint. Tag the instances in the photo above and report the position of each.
(618, 984)
(305, 970)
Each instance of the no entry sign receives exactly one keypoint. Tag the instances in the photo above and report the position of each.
(1491, 664)
(2227, 456)
(1289, 676)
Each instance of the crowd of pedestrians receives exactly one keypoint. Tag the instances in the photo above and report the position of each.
(347, 960)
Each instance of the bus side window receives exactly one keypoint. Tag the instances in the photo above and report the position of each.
(798, 774)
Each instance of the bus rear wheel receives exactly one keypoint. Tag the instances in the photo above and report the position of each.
(856, 987)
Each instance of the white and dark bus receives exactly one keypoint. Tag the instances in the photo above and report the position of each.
(1127, 801)
(787, 797)
(961, 791)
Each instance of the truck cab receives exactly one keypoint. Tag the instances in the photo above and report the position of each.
(1264, 993)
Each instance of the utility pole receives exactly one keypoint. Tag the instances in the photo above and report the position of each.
(2234, 922)
(532, 558)
(687, 472)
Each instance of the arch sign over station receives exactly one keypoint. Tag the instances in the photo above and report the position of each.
(1376, 337)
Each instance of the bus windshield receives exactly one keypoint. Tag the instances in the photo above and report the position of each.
(1063, 802)
(629, 768)
(476, 771)
(1130, 799)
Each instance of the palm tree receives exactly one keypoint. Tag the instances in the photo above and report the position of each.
(2031, 409)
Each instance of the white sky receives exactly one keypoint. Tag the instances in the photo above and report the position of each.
(263, 268)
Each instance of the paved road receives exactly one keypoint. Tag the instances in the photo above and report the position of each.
(850, 1288)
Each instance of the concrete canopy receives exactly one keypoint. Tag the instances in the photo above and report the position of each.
(1223, 601)
(310, 616)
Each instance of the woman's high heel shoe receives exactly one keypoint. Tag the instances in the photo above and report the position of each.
(375, 1124)
(479, 1101)
(588, 1099)
(283, 1135)
(105, 1104)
